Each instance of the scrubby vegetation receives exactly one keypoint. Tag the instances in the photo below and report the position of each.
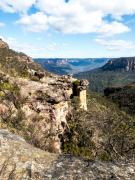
(12, 63)
(10, 92)
(123, 96)
(103, 132)
(99, 80)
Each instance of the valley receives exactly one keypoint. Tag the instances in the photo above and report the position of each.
(116, 72)
(63, 66)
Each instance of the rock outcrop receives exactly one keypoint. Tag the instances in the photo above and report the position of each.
(3, 44)
(34, 101)
(40, 106)
(79, 89)
(82, 88)
(24, 58)
(19, 160)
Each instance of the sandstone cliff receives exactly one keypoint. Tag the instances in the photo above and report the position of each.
(37, 104)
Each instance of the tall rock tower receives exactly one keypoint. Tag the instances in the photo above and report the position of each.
(79, 89)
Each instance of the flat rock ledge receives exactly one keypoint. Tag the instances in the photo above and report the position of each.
(21, 161)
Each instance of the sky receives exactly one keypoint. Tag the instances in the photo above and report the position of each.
(69, 28)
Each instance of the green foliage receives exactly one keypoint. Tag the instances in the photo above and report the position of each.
(11, 63)
(10, 92)
(103, 132)
(16, 122)
(99, 79)
(124, 97)
(104, 156)
(77, 82)
(6, 86)
(2, 94)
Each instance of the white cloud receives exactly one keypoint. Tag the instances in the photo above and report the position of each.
(116, 45)
(115, 7)
(86, 23)
(79, 16)
(36, 22)
(16, 5)
(76, 16)
(113, 28)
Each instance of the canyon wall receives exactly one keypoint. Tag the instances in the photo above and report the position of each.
(40, 108)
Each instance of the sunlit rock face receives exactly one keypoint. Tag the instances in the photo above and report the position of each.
(82, 94)
(36, 103)
(24, 58)
(45, 109)
(42, 108)
(79, 89)
(83, 100)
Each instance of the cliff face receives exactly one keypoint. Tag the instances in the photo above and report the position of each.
(37, 104)
(19, 160)
(40, 108)
(46, 109)
(120, 64)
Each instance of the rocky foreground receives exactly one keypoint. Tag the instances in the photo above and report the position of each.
(19, 160)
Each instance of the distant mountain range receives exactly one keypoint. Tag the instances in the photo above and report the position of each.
(71, 65)
(116, 72)
(120, 64)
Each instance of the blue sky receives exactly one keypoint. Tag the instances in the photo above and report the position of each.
(76, 28)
